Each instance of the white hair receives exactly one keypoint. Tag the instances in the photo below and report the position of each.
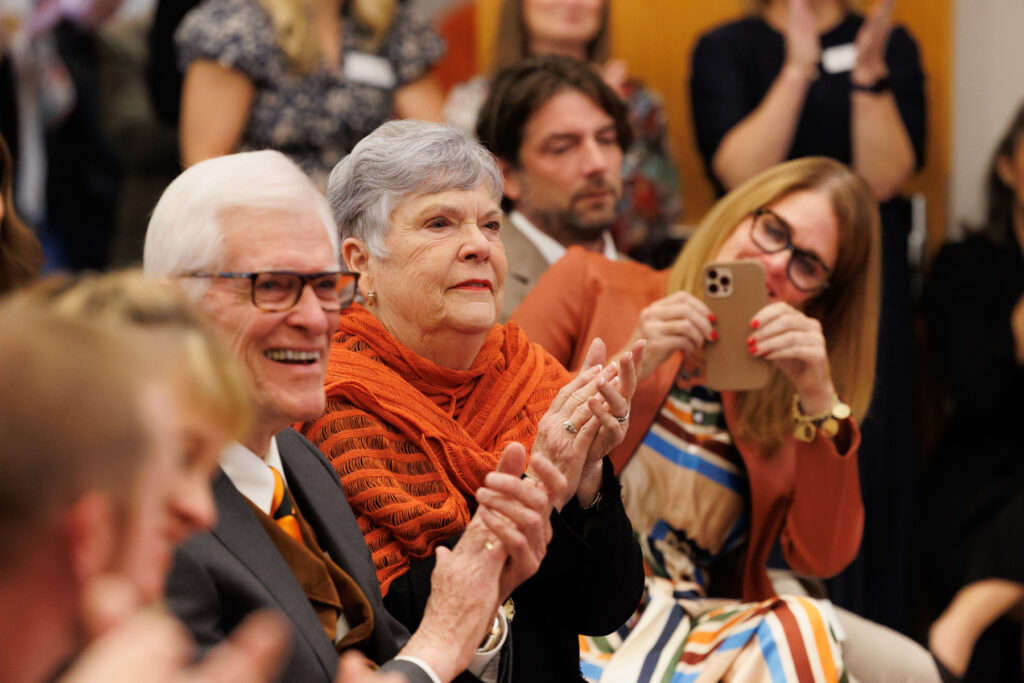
(397, 161)
(185, 232)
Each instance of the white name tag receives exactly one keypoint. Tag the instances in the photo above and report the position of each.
(369, 69)
(839, 59)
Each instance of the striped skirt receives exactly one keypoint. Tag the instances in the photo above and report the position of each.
(678, 637)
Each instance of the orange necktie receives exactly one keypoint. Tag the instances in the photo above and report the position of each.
(281, 509)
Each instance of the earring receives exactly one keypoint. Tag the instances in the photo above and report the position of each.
(371, 298)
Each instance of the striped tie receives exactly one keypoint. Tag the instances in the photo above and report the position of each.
(281, 509)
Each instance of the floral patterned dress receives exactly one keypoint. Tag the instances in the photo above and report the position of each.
(316, 118)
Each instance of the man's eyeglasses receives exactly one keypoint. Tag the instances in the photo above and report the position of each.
(805, 268)
(279, 290)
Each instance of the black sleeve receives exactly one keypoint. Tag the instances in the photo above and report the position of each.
(596, 561)
(901, 56)
(717, 93)
(163, 76)
(971, 338)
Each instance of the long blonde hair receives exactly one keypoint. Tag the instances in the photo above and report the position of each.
(848, 310)
(293, 23)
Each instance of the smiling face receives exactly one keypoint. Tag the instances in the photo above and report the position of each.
(569, 179)
(443, 278)
(562, 26)
(284, 352)
(814, 229)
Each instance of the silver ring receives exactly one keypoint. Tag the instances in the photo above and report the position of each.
(569, 427)
(623, 419)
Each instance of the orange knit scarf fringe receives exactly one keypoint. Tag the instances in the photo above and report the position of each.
(412, 441)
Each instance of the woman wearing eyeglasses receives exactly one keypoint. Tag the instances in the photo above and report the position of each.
(711, 481)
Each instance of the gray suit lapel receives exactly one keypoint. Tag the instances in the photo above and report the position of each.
(240, 532)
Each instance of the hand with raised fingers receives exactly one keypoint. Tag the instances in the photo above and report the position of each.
(803, 47)
(464, 597)
(871, 41)
(566, 431)
(795, 343)
(677, 322)
(517, 511)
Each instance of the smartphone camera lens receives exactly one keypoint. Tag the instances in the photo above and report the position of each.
(725, 281)
(713, 288)
(713, 274)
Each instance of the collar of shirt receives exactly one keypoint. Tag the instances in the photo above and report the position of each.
(550, 248)
(249, 473)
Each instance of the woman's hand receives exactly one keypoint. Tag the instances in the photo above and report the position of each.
(795, 343)
(803, 47)
(677, 322)
(871, 41)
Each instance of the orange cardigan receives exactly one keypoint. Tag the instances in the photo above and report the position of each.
(806, 495)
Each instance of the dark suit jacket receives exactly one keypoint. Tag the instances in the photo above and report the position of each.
(525, 265)
(221, 576)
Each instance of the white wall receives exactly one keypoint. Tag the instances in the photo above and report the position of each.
(988, 84)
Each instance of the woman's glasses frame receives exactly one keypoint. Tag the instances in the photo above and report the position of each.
(760, 235)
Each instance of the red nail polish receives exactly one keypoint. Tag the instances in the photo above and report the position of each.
(753, 349)
(754, 324)
(714, 335)
(712, 318)
(751, 341)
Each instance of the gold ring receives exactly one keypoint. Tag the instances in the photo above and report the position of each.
(488, 545)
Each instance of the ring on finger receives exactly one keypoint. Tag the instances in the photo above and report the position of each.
(488, 545)
(623, 419)
(569, 427)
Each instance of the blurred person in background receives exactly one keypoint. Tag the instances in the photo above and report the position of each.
(975, 312)
(21, 254)
(68, 174)
(651, 202)
(800, 78)
(307, 78)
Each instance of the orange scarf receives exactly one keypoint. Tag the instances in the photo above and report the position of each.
(412, 441)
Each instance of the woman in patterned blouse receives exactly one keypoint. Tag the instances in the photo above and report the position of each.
(308, 79)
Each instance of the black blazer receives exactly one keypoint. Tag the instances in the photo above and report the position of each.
(220, 576)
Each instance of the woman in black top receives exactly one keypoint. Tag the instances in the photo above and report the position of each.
(975, 495)
(800, 78)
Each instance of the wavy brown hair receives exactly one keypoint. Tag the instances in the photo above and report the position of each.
(512, 41)
(848, 309)
(21, 254)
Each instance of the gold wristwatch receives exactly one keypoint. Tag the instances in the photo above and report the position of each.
(827, 422)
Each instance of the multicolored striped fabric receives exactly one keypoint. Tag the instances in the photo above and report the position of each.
(685, 491)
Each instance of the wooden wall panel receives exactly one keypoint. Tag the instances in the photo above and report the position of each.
(656, 38)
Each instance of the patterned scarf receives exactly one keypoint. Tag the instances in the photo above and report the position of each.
(412, 441)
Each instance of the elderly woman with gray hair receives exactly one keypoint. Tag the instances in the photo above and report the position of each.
(424, 391)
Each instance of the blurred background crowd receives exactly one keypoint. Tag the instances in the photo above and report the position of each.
(104, 102)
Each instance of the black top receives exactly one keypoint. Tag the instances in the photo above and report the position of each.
(973, 288)
(734, 65)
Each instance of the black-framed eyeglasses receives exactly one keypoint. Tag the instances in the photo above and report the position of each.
(279, 290)
(773, 234)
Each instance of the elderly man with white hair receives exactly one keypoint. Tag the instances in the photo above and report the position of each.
(244, 235)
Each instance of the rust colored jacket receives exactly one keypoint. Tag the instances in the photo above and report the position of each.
(807, 495)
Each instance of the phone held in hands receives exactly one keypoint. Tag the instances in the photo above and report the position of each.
(734, 291)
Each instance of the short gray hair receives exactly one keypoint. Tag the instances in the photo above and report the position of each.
(185, 231)
(397, 161)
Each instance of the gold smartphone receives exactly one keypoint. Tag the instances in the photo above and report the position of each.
(734, 291)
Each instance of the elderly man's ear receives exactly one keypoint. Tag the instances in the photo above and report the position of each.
(90, 531)
(511, 176)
